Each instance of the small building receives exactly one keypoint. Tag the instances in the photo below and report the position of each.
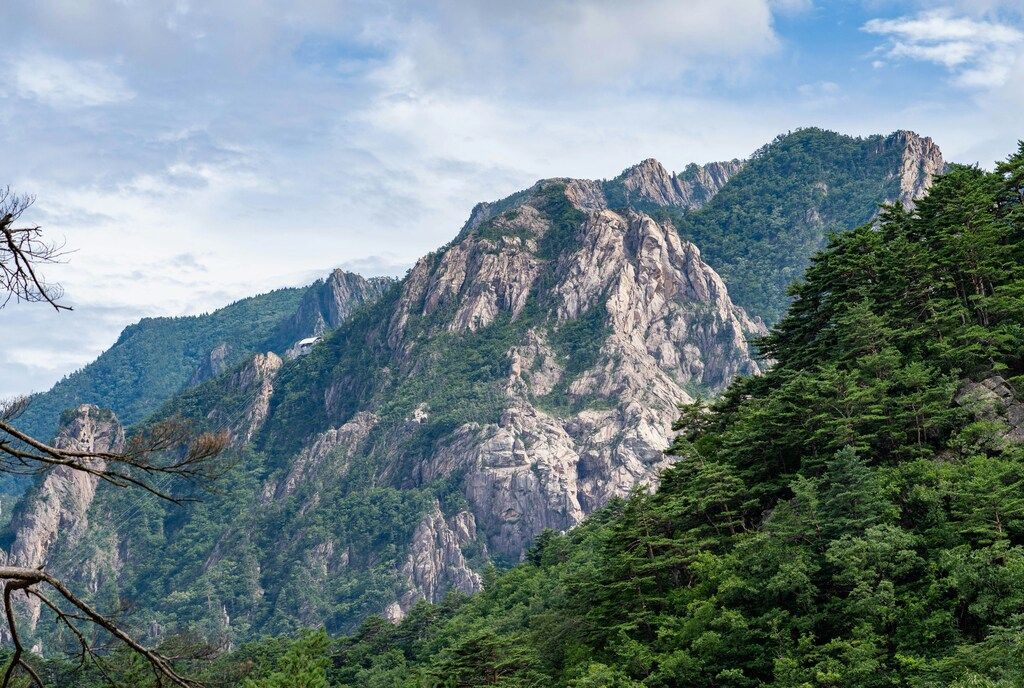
(305, 345)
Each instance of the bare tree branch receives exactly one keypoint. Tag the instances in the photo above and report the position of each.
(166, 448)
(22, 250)
(162, 450)
(17, 661)
(25, 579)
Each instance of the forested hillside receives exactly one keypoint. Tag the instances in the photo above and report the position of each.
(855, 517)
(760, 231)
(154, 358)
(517, 379)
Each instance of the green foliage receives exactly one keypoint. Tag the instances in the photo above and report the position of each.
(303, 665)
(761, 229)
(154, 359)
(839, 521)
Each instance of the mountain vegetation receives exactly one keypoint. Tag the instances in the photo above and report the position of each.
(760, 231)
(155, 358)
(520, 378)
(854, 517)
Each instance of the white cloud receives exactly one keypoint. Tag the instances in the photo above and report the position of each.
(258, 144)
(572, 45)
(977, 52)
(67, 84)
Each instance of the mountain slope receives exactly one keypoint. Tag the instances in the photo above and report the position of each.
(851, 518)
(516, 380)
(761, 230)
(156, 358)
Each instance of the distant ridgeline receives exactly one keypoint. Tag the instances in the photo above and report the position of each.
(761, 229)
(522, 377)
(156, 358)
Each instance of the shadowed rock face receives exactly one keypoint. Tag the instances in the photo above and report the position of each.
(327, 304)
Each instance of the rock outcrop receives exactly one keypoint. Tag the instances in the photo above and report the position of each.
(920, 161)
(214, 364)
(650, 182)
(435, 564)
(994, 401)
(247, 397)
(328, 303)
(327, 456)
(667, 326)
(55, 512)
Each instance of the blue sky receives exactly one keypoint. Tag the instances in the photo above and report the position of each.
(192, 153)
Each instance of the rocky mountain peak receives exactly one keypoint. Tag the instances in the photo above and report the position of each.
(327, 304)
(659, 324)
(650, 182)
(517, 379)
(920, 161)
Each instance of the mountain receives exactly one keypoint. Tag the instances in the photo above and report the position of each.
(852, 517)
(761, 230)
(518, 379)
(156, 358)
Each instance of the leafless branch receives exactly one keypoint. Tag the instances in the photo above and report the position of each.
(166, 448)
(22, 251)
(30, 580)
(162, 450)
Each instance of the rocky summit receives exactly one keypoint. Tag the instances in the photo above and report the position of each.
(391, 440)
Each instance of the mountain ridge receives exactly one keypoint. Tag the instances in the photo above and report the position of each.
(517, 379)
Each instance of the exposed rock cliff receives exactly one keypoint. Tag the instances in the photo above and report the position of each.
(666, 325)
(55, 512)
(435, 563)
(248, 395)
(216, 363)
(650, 182)
(920, 161)
(328, 303)
(517, 379)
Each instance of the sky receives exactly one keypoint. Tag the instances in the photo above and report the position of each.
(190, 153)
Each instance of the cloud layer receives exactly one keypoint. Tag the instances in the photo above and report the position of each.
(976, 52)
(192, 153)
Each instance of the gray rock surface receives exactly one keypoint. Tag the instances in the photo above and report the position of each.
(994, 400)
(56, 512)
(435, 564)
(650, 182)
(921, 161)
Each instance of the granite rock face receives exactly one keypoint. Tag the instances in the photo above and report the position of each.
(214, 365)
(253, 384)
(650, 182)
(55, 514)
(436, 563)
(668, 326)
(572, 319)
(920, 161)
(329, 303)
(575, 427)
(993, 400)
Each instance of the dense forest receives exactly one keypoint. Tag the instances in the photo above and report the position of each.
(854, 517)
(760, 231)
